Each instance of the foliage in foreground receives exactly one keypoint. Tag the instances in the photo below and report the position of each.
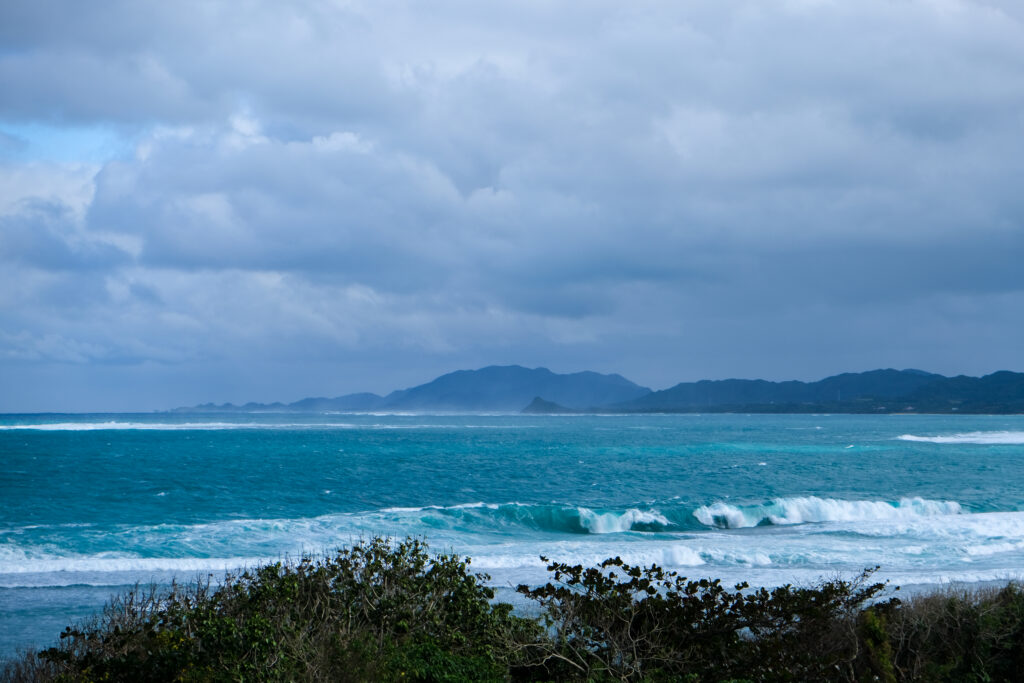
(384, 610)
(376, 611)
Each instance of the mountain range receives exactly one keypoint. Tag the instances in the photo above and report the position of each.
(514, 388)
(495, 388)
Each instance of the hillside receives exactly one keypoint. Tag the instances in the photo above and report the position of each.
(876, 391)
(493, 388)
(511, 387)
(515, 388)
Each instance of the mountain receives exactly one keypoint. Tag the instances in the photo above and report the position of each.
(349, 403)
(510, 387)
(735, 393)
(1000, 392)
(539, 406)
(876, 391)
(538, 390)
(494, 388)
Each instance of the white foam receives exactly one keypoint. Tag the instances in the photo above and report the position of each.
(460, 506)
(672, 554)
(192, 426)
(984, 438)
(916, 548)
(592, 521)
(679, 555)
(100, 564)
(721, 515)
(987, 549)
(920, 539)
(165, 426)
(784, 511)
(741, 558)
(617, 522)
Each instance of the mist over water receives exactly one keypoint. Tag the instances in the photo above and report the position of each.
(96, 502)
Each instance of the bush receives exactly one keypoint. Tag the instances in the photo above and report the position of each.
(376, 611)
(961, 634)
(619, 622)
(384, 610)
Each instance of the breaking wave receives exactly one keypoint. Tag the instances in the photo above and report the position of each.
(785, 511)
(556, 518)
(114, 425)
(162, 426)
(1004, 437)
(912, 536)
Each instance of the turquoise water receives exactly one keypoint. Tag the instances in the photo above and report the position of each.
(91, 503)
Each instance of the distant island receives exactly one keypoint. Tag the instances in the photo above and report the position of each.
(495, 388)
(513, 388)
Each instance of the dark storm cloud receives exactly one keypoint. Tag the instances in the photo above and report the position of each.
(378, 191)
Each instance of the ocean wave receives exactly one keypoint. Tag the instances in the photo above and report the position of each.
(986, 549)
(51, 547)
(552, 517)
(788, 511)
(52, 566)
(169, 426)
(519, 560)
(460, 506)
(113, 425)
(506, 541)
(1001, 437)
(100, 564)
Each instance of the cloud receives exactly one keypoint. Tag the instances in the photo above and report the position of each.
(42, 235)
(10, 145)
(666, 190)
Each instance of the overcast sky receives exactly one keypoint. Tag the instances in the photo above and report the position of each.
(234, 201)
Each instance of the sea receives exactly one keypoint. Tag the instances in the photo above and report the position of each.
(93, 504)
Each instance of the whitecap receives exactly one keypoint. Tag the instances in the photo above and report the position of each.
(165, 426)
(801, 510)
(984, 438)
(617, 522)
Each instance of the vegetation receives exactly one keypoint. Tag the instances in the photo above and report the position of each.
(386, 611)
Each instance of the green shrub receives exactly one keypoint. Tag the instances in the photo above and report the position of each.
(965, 634)
(385, 610)
(376, 611)
(620, 622)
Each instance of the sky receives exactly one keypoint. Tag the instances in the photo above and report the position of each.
(262, 201)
